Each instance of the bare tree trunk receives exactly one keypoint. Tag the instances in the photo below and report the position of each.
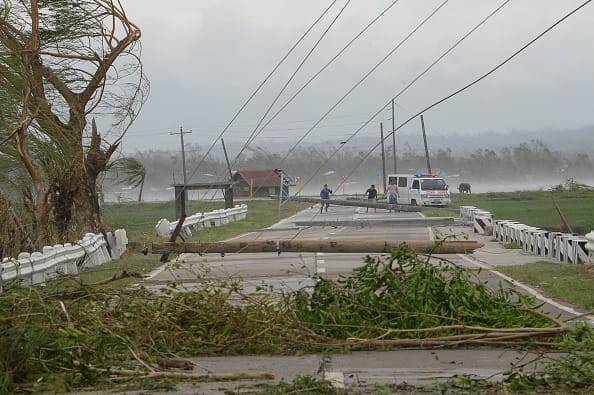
(141, 188)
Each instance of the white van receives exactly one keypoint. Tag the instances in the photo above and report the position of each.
(421, 189)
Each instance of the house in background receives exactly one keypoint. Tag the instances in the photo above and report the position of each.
(259, 183)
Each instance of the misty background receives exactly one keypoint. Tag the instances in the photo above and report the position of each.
(205, 58)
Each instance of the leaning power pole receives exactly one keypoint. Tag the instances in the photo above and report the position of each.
(394, 138)
(383, 156)
(426, 146)
(181, 134)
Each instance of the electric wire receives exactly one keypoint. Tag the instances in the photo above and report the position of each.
(433, 64)
(287, 83)
(373, 69)
(266, 79)
(299, 67)
(357, 84)
(471, 84)
(316, 75)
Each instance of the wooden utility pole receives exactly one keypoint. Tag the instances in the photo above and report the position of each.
(228, 192)
(426, 146)
(227, 160)
(174, 236)
(328, 246)
(280, 192)
(181, 134)
(359, 203)
(383, 156)
(394, 138)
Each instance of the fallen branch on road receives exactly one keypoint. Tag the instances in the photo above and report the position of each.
(46, 335)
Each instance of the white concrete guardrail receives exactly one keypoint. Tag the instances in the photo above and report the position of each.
(562, 247)
(590, 245)
(195, 222)
(67, 258)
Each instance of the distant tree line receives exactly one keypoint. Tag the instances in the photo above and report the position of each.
(526, 161)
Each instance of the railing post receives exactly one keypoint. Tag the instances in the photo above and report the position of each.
(590, 245)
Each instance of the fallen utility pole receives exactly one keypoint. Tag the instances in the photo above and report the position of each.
(329, 246)
(359, 203)
(392, 222)
(174, 236)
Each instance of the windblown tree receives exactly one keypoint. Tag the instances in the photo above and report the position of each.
(130, 172)
(66, 66)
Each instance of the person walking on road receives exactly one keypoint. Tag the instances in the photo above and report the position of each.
(325, 195)
(392, 196)
(371, 194)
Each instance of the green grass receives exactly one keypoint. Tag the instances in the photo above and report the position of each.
(532, 208)
(573, 284)
(139, 220)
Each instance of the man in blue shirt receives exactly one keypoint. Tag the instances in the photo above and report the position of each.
(325, 195)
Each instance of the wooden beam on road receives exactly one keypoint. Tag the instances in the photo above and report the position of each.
(359, 203)
(330, 246)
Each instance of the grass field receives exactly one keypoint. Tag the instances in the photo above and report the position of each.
(532, 208)
(139, 220)
(573, 284)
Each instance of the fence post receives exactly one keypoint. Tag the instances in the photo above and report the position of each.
(590, 245)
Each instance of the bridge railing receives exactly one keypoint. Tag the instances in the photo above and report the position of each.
(68, 258)
(562, 247)
(195, 222)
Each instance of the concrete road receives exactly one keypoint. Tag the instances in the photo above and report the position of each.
(291, 271)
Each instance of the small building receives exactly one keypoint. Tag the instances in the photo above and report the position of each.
(259, 183)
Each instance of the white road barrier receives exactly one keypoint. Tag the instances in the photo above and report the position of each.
(465, 212)
(195, 222)
(563, 247)
(483, 223)
(69, 258)
(590, 246)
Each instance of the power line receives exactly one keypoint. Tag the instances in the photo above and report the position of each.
(263, 83)
(249, 127)
(272, 130)
(377, 65)
(440, 58)
(382, 61)
(291, 78)
(474, 82)
(357, 36)
(282, 90)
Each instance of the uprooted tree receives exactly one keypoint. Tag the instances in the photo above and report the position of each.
(66, 66)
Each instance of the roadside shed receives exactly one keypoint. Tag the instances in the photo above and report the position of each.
(259, 183)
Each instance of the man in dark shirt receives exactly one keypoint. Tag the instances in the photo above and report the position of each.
(371, 194)
(325, 195)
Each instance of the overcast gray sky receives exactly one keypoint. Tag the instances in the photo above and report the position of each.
(205, 57)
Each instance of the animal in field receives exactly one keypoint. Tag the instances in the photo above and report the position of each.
(464, 188)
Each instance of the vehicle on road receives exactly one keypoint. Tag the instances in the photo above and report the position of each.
(421, 189)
